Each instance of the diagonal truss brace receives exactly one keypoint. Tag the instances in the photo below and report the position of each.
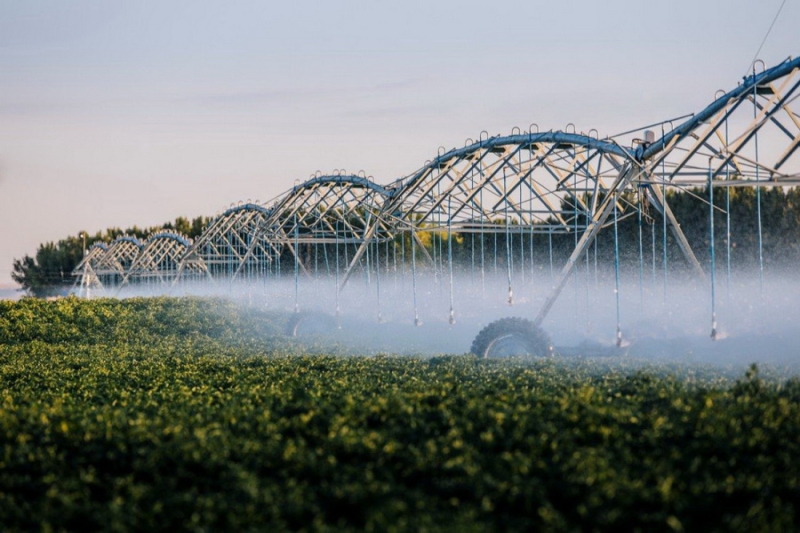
(630, 173)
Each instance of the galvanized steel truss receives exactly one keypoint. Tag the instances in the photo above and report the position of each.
(117, 260)
(86, 270)
(159, 260)
(554, 182)
(232, 245)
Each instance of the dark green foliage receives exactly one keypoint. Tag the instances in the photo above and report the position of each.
(49, 272)
(73, 321)
(780, 218)
(170, 414)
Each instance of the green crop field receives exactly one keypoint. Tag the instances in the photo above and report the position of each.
(191, 414)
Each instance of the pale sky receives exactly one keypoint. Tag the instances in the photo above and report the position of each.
(123, 113)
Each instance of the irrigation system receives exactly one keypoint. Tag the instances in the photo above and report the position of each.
(491, 208)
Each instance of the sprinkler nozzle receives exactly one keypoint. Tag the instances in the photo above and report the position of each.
(417, 321)
(452, 319)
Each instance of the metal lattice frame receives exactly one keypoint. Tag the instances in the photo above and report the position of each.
(561, 182)
(117, 260)
(747, 137)
(159, 260)
(327, 210)
(554, 182)
(529, 182)
(550, 181)
(716, 143)
(86, 270)
(232, 245)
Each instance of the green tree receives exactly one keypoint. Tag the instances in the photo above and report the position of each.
(49, 271)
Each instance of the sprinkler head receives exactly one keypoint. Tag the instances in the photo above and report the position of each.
(417, 321)
(452, 319)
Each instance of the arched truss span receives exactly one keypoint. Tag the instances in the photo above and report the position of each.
(550, 181)
(748, 136)
(159, 259)
(231, 245)
(91, 259)
(556, 181)
(86, 270)
(327, 209)
(117, 259)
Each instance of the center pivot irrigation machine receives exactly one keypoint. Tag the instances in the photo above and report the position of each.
(489, 223)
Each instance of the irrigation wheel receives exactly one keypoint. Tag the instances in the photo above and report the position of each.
(510, 337)
(307, 324)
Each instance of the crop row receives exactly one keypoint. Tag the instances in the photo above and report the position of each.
(198, 432)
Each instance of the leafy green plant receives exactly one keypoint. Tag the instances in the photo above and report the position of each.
(193, 414)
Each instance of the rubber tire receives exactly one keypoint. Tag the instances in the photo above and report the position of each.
(320, 322)
(525, 332)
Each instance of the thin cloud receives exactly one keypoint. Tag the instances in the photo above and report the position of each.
(10, 109)
(399, 84)
(395, 111)
(242, 98)
(267, 96)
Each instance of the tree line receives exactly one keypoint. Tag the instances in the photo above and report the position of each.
(641, 238)
(49, 271)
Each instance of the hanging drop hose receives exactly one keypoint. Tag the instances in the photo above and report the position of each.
(533, 265)
(575, 233)
(616, 268)
(394, 261)
(452, 317)
(653, 252)
(641, 250)
(472, 235)
(417, 321)
(337, 311)
(664, 220)
(483, 255)
(367, 266)
(727, 222)
(508, 244)
(712, 250)
(472, 259)
(758, 196)
(494, 234)
(378, 279)
(296, 267)
(521, 242)
(327, 263)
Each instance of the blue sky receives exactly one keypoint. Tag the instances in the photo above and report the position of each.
(123, 113)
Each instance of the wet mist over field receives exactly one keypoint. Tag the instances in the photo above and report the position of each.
(660, 320)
